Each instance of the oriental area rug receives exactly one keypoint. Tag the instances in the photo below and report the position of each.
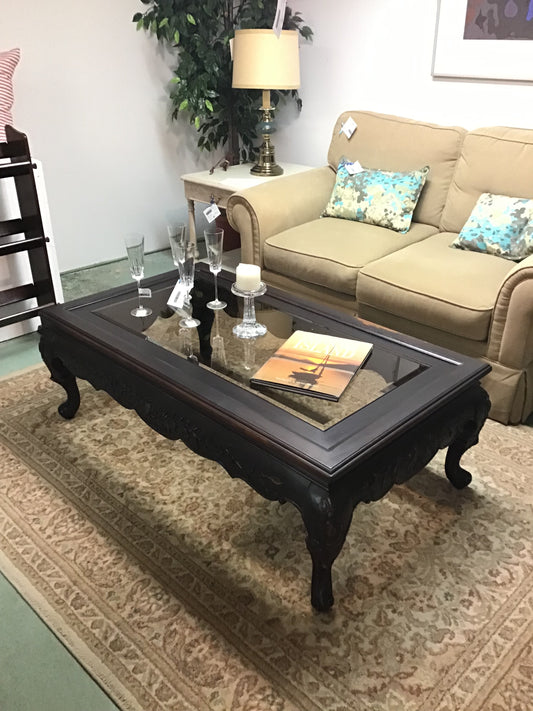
(180, 589)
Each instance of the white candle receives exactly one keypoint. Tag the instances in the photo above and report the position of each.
(248, 277)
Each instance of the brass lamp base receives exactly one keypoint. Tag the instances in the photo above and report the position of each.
(266, 165)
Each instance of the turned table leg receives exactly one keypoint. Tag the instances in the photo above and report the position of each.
(61, 375)
(467, 437)
(327, 522)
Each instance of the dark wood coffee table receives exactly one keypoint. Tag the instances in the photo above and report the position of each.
(410, 400)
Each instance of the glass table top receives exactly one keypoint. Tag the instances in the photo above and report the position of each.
(216, 349)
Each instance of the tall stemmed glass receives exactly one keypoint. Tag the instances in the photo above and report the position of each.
(214, 238)
(135, 249)
(187, 278)
(177, 238)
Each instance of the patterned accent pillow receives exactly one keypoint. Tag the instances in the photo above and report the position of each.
(8, 62)
(499, 225)
(377, 197)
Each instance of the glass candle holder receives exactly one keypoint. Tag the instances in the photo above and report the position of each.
(249, 328)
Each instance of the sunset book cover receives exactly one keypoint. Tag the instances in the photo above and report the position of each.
(313, 364)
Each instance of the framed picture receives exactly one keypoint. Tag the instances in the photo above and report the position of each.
(486, 39)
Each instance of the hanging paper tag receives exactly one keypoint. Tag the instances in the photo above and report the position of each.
(177, 297)
(354, 168)
(348, 127)
(146, 293)
(279, 17)
(212, 212)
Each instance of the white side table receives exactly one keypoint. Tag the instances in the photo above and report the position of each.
(203, 187)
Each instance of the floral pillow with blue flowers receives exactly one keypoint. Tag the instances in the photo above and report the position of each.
(377, 197)
(499, 225)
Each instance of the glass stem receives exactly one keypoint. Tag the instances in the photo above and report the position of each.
(249, 310)
(139, 292)
(216, 288)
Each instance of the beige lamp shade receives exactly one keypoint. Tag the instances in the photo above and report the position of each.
(261, 60)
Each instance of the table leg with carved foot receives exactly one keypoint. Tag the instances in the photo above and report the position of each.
(327, 522)
(465, 439)
(61, 375)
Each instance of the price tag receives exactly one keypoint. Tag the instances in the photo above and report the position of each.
(279, 18)
(212, 212)
(146, 293)
(354, 168)
(177, 297)
(348, 128)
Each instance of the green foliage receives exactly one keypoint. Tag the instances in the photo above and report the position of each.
(198, 31)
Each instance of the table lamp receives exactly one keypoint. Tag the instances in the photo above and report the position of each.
(263, 61)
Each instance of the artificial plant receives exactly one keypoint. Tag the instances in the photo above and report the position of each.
(199, 31)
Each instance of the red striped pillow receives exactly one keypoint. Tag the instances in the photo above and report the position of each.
(8, 62)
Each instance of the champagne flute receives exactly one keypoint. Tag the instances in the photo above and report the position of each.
(214, 238)
(135, 249)
(177, 238)
(187, 278)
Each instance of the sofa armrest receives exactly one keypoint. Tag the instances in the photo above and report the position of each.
(272, 207)
(511, 336)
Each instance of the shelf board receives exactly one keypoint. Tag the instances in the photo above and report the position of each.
(22, 245)
(10, 319)
(18, 225)
(10, 170)
(13, 149)
(18, 293)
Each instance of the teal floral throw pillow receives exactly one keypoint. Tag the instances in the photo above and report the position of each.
(499, 225)
(377, 197)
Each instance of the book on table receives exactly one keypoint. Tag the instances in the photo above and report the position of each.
(313, 364)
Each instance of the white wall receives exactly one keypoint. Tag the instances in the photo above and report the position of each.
(91, 94)
(377, 55)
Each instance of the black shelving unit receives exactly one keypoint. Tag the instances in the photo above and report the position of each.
(24, 234)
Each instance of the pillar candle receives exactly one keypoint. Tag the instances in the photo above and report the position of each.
(248, 277)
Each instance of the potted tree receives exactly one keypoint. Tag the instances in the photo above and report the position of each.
(199, 32)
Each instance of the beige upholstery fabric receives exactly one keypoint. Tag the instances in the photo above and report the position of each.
(270, 207)
(495, 160)
(510, 392)
(472, 303)
(435, 285)
(329, 251)
(312, 292)
(511, 338)
(395, 143)
(431, 334)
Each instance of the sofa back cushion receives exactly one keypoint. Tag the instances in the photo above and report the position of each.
(398, 144)
(495, 160)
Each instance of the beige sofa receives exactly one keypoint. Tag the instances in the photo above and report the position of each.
(477, 304)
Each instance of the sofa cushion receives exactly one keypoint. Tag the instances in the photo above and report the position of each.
(377, 197)
(330, 252)
(493, 160)
(498, 225)
(393, 143)
(433, 285)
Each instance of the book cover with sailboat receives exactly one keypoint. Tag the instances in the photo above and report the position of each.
(314, 364)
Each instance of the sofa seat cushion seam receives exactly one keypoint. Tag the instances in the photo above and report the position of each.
(314, 256)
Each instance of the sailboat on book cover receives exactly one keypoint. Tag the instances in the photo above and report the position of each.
(314, 364)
